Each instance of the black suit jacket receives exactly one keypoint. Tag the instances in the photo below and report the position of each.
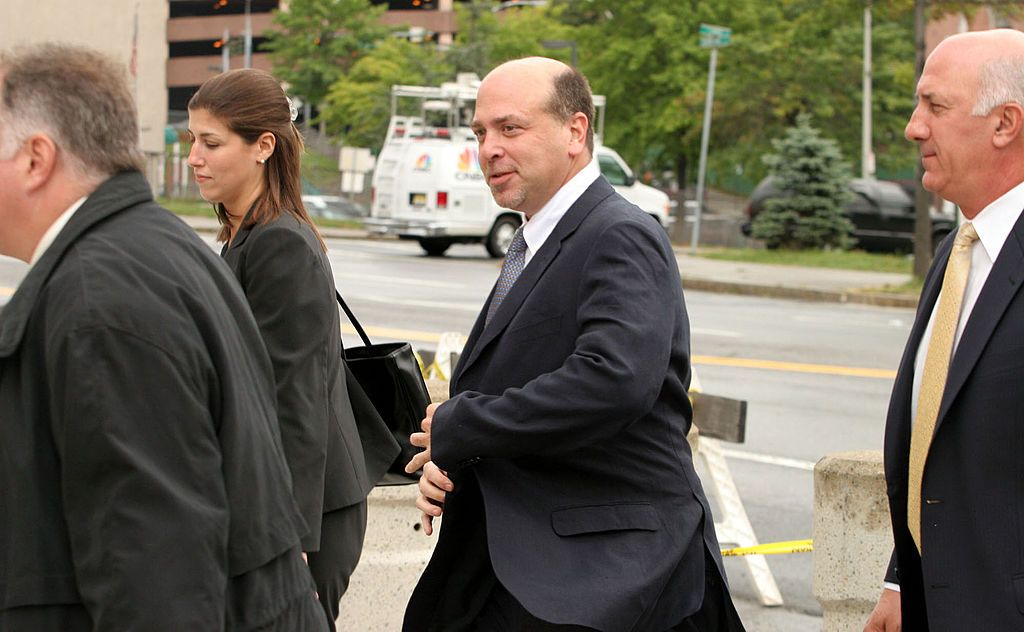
(142, 483)
(972, 522)
(288, 282)
(570, 409)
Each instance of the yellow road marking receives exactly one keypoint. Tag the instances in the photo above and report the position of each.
(795, 367)
(742, 363)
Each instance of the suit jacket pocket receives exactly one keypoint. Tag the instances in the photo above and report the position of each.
(600, 518)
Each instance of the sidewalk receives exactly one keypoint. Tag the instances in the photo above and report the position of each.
(795, 282)
(732, 277)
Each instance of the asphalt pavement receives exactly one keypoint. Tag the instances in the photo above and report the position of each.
(757, 279)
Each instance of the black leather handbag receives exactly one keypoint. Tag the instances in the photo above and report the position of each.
(388, 383)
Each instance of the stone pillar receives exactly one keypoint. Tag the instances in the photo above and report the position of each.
(852, 537)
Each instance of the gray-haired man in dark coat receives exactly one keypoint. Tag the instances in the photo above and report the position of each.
(142, 481)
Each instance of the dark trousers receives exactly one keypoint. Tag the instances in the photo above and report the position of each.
(502, 613)
(341, 544)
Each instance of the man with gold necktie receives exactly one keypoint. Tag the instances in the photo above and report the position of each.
(954, 439)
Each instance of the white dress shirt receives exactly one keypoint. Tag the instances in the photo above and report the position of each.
(993, 225)
(51, 233)
(539, 227)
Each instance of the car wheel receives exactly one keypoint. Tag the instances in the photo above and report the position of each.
(500, 237)
(435, 247)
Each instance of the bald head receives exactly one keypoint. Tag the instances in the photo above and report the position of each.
(533, 127)
(969, 118)
(565, 89)
(991, 62)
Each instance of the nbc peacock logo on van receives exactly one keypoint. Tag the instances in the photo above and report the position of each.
(468, 165)
(423, 163)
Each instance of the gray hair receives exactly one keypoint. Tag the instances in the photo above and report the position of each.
(76, 96)
(999, 81)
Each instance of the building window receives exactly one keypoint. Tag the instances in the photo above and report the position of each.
(408, 5)
(199, 48)
(194, 8)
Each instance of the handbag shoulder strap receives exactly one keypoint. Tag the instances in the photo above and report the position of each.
(352, 318)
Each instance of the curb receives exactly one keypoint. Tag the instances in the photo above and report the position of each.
(803, 294)
(702, 285)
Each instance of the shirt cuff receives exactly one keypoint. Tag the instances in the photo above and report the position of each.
(891, 586)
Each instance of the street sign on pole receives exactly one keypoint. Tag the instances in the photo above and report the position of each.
(713, 37)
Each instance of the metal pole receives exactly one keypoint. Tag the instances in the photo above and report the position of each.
(867, 166)
(225, 52)
(702, 169)
(248, 35)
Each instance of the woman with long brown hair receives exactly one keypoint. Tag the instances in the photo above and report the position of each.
(246, 154)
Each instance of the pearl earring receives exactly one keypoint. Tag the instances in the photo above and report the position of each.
(262, 161)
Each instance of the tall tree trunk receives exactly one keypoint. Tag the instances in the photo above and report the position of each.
(922, 198)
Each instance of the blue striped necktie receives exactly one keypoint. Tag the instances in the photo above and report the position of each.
(515, 261)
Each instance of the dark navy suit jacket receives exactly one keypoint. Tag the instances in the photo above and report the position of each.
(570, 409)
(972, 522)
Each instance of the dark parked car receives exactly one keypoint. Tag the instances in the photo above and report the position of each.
(882, 214)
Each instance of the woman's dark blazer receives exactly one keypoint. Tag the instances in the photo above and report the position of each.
(287, 279)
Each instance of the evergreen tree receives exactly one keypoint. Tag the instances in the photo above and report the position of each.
(811, 171)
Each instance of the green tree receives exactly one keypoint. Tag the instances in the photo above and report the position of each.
(785, 57)
(486, 39)
(317, 41)
(358, 105)
(811, 171)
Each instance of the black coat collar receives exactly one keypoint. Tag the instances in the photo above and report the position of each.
(120, 192)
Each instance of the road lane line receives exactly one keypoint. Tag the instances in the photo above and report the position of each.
(403, 280)
(722, 333)
(768, 459)
(7, 291)
(440, 305)
(743, 363)
(795, 367)
(396, 334)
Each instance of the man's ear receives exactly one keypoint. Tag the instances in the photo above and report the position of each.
(1008, 128)
(40, 155)
(578, 126)
(266, 144)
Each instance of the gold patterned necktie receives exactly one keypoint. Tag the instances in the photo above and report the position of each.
(936, 368)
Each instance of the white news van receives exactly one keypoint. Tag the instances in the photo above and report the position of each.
(427, 184)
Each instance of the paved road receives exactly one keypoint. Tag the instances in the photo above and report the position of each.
(816, 377)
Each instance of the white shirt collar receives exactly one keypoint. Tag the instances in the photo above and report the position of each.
(540, 226)
(51, 233)
(996, 220)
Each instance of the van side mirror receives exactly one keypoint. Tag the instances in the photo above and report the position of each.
(630, 180)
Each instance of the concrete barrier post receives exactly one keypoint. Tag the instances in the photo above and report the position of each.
(852, 537)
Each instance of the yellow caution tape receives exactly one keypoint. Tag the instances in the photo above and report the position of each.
(772, 548)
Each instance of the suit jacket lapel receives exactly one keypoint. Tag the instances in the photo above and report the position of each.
(1002, 285)
(596, 192)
